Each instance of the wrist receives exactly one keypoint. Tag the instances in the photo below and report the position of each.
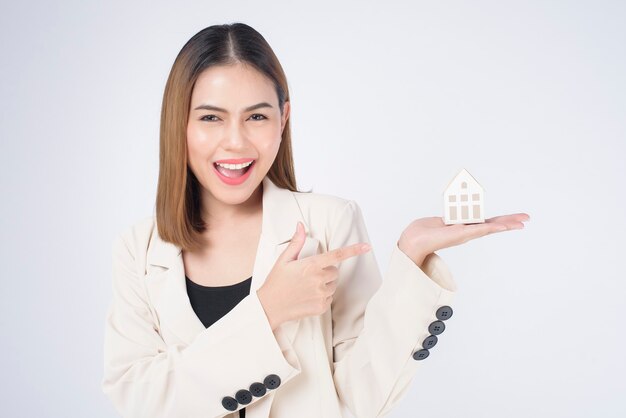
(269, 312)
(417, 258)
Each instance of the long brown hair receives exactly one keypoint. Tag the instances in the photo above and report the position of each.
(178, 205)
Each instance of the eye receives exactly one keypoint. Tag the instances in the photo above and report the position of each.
(208, 116)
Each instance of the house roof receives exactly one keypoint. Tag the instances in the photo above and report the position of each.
(462, 171)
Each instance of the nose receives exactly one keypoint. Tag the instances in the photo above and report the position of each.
(235, 137)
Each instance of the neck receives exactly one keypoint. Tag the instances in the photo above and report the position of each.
(218, 214)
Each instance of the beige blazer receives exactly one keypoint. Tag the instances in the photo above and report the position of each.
(160, 360)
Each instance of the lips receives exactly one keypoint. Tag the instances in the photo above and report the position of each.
(229, 172)
(234, 161)
(225, 176)
(222, 162)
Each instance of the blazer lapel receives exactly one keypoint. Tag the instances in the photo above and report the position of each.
(165, 272)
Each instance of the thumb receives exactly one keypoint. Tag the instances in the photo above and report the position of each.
(295, 245)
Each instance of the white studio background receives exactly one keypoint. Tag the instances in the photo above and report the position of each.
(389, 101)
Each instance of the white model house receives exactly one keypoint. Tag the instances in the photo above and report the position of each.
(463, 200)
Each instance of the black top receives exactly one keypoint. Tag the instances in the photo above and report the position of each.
(210, 303)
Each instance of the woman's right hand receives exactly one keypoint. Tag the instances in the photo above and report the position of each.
(295, 288)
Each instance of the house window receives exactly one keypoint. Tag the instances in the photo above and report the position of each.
(452, 198)
(476, 196)
(476, 210)
(464, 212)
(463, 198)
(453, 213)
(464, 185)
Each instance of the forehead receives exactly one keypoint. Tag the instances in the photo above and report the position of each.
(235, 85)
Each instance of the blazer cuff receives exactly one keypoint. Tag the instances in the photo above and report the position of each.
(433, 266)
(248, 343)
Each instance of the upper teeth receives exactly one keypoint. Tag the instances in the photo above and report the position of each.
(235, 166)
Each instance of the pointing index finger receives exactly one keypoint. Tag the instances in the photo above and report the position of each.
(337, 255)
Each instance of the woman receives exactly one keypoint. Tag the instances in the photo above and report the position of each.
(244, 295)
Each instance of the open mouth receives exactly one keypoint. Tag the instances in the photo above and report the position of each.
(233, 173)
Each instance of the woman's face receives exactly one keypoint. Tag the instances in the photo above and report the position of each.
(223, 125)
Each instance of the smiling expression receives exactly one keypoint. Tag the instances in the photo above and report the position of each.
(233, 114)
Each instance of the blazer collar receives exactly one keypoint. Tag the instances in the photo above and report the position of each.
(281, 213)
(165, 272)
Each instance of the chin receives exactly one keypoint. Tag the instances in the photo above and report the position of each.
(234, 195)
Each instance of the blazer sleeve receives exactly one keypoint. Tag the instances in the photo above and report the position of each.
(378, 324)
(145, 377)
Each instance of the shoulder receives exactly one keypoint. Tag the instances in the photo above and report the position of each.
(328, 215)
(135, 236)
(142, 227)
(321, 204)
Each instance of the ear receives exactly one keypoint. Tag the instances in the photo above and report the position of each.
(286, 109)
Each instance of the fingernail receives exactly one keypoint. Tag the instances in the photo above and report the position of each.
(365, 247)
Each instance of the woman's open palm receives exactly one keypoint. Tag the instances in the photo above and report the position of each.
(426, 235)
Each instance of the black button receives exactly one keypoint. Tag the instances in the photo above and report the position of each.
(258, 389)
(421, 354)
(243, 396)
(229, 403)
(430, 341)
(443, 313)
(436, 327)
(272, 381)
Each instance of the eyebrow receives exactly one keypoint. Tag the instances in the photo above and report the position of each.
(219, 109)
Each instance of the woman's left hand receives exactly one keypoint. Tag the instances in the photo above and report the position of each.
(426, 235)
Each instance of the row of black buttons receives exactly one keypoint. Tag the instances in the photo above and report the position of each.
(244, 396)
(435, 328)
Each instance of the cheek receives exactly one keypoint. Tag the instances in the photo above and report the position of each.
(194, 134)
(196, 142)
(269, 145)
(272, 137)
